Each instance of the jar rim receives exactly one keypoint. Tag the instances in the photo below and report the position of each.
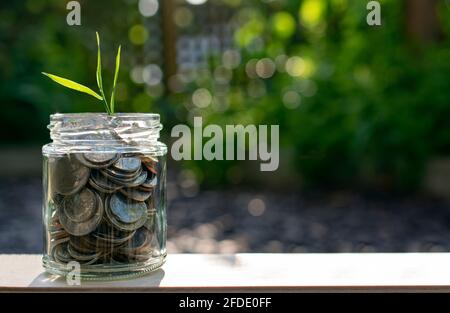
(92, 114)
(104, 129)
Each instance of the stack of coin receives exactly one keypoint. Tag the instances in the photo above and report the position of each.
(105, 210)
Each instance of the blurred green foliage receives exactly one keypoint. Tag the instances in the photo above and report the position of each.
(355, 104)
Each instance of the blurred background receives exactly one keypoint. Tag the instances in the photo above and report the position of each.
(363, 114)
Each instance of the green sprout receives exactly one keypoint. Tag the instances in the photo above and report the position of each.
(81, 88)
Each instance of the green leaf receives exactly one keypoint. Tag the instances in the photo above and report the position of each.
(116, 74)
(99, 74)
(73, 85)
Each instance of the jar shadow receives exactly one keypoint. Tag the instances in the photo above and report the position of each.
(49, 281)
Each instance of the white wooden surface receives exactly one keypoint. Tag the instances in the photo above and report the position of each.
(254, 272)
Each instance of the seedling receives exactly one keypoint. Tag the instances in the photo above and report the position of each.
(109, 106)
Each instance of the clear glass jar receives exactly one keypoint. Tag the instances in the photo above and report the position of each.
(104, 203)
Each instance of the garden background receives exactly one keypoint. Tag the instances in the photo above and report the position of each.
(363, 114)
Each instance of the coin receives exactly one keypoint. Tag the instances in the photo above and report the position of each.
(150, 182)
(109, 221)
(120, 225)
(139, 247)
(79, 256)
(115, 174)
(102, 158)
(81, 206)
(150, 163)
(119, 178)
(140, 238)
(96, 160)
(136, 194)
(139, 180)
(60, 253)
(127, 164)
(93, 204)
(55, 241)
(67, 175)
(151, 219)
(126, 211)
(106, 233)
(101, 183)
(82, 246)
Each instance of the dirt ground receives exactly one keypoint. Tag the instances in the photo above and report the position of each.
(229, 221)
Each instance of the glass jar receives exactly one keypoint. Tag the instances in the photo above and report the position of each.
(104, 203)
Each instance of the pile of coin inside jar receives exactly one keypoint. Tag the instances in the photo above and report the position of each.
(104, 208)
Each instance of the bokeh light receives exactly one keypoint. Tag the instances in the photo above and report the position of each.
(202, 98)
(295, 66)
(265, 68)
(183, 17)
(152, 74)
(138, 34)
(283, 24)
(256, 207)
(250, 68)
(196, 2)
(291, 99)
(148, 7)
(222, 75)
(136, 75)
(187, 181)
(231, 59)
(312, 12)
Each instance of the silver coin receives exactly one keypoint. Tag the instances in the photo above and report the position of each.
(79, 256)
(60, 253)
(81, 206)
(150, 182)
(98, 188)
(54, 242)
(100, 158)
(107, 234)
(120, 225)
(127, 211)
(139, 180)
(136, 194)
(120, 179)
(81, 157)
(151, 220)
(127, 164)
(140, 239)
(101, 181)
(82, 246)
(67, 175)
(139, 244)
(114, 174)
(84, 228)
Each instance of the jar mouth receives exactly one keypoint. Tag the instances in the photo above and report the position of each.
(85, 115)
(104, 129)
